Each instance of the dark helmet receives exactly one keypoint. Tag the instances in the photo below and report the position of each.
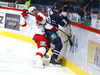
(65, 7)
(58, 5)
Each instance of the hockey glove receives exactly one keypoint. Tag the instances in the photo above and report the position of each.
(66, 20)
(54, 29)
(24, 13)
(39, 18)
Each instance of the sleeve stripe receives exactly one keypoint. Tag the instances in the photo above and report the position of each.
(39, 54)
(25, 24)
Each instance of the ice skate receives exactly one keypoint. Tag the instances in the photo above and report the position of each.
(38, 63)
(54, 62)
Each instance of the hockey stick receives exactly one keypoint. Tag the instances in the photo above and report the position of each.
(70, 33)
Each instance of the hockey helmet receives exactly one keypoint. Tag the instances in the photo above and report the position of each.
(32, 8)
(58, 5)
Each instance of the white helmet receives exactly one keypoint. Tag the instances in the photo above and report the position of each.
(31, 9)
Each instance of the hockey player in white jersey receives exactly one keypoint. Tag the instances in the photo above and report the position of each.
(36, 22)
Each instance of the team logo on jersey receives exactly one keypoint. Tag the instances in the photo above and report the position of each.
(53, 36)
(42, 43)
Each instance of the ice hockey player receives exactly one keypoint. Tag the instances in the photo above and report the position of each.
(36, 22)
(54, 20)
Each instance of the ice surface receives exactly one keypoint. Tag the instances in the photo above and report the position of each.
(16, 58)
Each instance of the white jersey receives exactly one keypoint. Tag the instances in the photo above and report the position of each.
(65, 14)
(47, 25)
(35, 28)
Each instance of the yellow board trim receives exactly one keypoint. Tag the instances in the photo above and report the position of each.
(74, 68)
(17, 36)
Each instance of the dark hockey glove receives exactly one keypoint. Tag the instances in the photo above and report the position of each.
(66, 19)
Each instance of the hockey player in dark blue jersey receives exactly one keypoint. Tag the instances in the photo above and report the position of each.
(54, 20)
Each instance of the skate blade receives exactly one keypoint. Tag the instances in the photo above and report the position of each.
(54, 65)
(39, 67)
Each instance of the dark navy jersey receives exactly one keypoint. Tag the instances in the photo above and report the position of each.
(55, 19)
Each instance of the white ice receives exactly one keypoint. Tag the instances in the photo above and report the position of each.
(16, 58)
